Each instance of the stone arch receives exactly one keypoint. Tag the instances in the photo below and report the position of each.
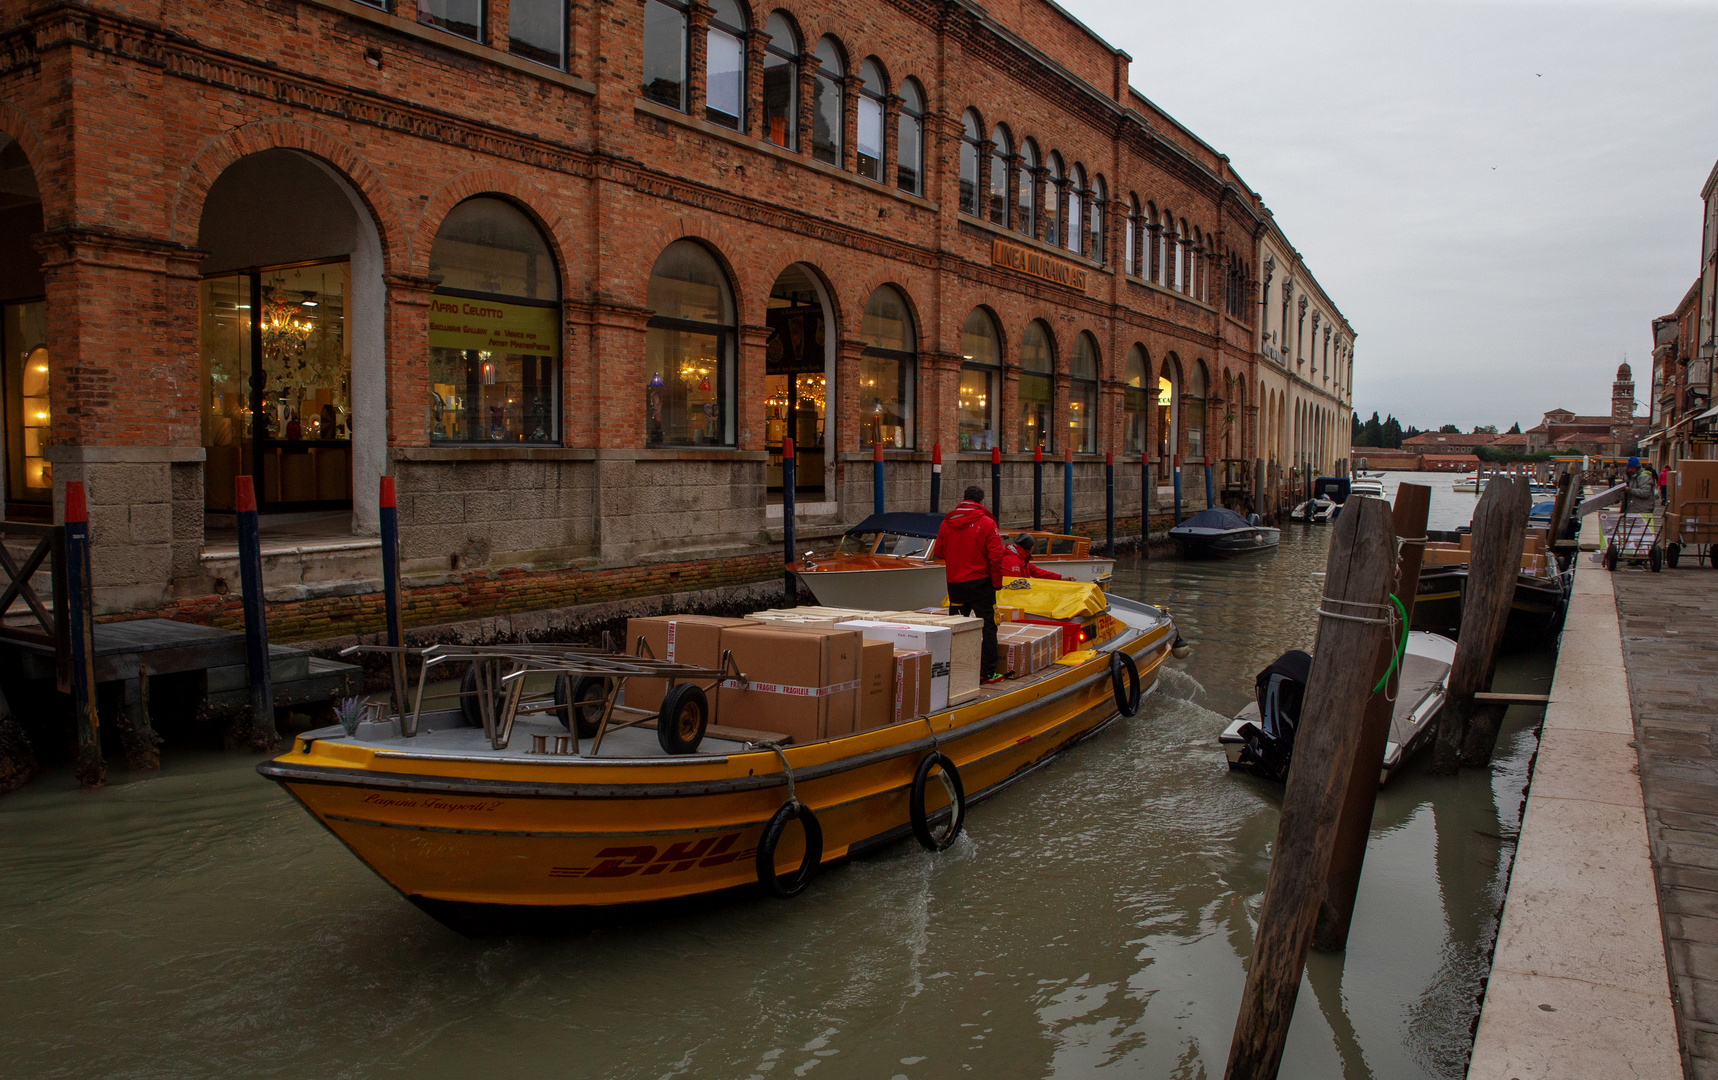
(18, 126)
(200, 174)
(716, 239)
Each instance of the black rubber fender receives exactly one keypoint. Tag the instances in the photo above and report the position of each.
(1124, 682)
(929, 840)
(790, 885)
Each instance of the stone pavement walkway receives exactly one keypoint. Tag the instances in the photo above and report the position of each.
(1578, 988)
(1669, 625)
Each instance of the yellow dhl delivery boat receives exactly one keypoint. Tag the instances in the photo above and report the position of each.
(497, 814)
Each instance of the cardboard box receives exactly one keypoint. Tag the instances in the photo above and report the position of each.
(1695, 480)
(802, 681)
(935, 640)
(966, 650)
(683, 639)
(1027, 648)
(912, 684)
(876, 685)
(1069, 639)
(1007, 614)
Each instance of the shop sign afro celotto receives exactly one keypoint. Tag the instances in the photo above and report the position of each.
(457, 322)
(1036, 264)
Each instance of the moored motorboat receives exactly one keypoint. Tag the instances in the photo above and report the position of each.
(1367, 485)
(1070, 556)
(1266, 747)
(886, 562)
(485, 827)
(1221, 533)
(1536, 609)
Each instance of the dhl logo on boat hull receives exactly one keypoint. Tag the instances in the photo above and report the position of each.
(646, 860)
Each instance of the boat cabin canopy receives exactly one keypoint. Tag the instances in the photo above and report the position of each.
(1216, 519)
(899, 533)
(1334, 488)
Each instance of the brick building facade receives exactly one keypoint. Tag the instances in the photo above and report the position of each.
(571, 272)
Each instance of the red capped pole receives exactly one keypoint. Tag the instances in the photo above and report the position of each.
(262, 735)
(877, 477)
(80, 635)
(392, 608)
(936, 477)
(1110, 501)
(996, 483)
(1068, 488)
(1038, 487)
(788, 481)
(1147, 501)
(1176, 474)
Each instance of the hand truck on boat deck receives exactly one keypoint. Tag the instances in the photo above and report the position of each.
(1635, 538)
(587, 685)
(1696, 527)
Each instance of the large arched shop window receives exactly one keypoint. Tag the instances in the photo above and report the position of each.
(826, 93)
(781, 83)
(1076, 240)
(999, 156)
(495, 328)
(910, 140)
(666, 57)
(980, 375)
(1027, 221)
(725, 66)
(1037, 361)
(971, 134)
(1168, 415)
(1198, 389)
(1083, 395)
(1134, 400)
(888, 371)
(689, 350)
(873, 88)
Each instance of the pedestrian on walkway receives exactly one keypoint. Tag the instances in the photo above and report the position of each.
(972, 557)
(1640, 497)
(1664, 484)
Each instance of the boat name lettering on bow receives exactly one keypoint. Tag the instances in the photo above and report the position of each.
(432, 803)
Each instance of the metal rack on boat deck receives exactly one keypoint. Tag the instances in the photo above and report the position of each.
(492, 690)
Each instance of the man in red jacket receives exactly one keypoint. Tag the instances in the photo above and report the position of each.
(1017, 560)
(972, 557)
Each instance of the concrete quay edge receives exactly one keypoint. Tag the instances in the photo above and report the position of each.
(1579, 985)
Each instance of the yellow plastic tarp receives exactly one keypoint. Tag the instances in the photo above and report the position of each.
(1049, 599)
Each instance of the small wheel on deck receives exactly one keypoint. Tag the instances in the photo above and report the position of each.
(681, 722)
(1610, 560)
(582, 698)
(1673, 555)
(1655, 560)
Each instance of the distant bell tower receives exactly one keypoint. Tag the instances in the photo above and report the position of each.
(1622, 408)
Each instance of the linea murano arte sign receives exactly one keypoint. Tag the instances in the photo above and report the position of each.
(1038, 265)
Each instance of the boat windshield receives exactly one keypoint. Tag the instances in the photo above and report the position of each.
(904, 546)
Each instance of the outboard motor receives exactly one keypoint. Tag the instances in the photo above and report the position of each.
(1280, 690)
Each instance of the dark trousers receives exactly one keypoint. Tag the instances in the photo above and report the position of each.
(977, 598)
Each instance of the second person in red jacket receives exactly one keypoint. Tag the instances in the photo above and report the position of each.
(973, 555)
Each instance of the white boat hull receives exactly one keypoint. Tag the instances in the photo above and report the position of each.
(895, 589)
(1096, 571)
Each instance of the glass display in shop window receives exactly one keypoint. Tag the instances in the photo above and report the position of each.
(28, 416)
(1134, 401)
(305, 363)
(494, 371)
(887, 371)
(1083, 395)
(981, 348)
(688, 352)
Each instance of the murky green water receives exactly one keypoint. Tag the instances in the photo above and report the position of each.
(1094, 920)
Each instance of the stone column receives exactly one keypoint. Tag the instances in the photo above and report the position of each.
(498, 33)
(892, 139)
(850, 122)
(986, 148)
(808, 66)
(756, 40)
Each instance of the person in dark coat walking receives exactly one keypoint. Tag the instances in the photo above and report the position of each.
(972, 557)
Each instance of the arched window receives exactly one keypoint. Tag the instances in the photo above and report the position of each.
(1083, 395)
(826, 92)
(689, 350)
(1076, 239)
(494, 328)
(725, 64)
(537, 30)
(873, 88)
(999, 155)
(1100, 198)
(1151, 259)
(910, 140)
(1027, 210)
(980, 373)
(971, 134)
(1168, 415)
(1197, 391)
(781, 83)
(464, 19)
(1037, 361)
(888, 371)
(1053, 201)
(1134, 400)
(665, 53)
(1130, 253)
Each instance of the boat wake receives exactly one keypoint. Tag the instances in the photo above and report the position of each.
(1177, 684)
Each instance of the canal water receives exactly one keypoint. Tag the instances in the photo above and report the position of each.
(1094, 920)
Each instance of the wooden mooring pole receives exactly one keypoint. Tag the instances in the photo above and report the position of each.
(261, 734)
(1466, 729)
(788, 480)
(1037, 487)
(936, 477)
(1110, 504)
(80, 625)
(392, 608)
(1351, 623)
(1348, 854)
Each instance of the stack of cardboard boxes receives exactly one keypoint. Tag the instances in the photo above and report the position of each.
(1028, 647)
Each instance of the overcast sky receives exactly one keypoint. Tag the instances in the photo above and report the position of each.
(1500, 195)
